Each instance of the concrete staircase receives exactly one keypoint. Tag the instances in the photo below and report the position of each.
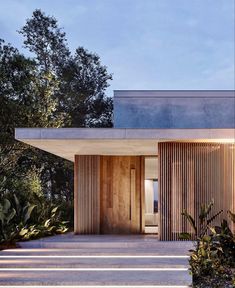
(96, 261)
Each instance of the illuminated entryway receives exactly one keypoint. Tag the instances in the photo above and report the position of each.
(151, 195)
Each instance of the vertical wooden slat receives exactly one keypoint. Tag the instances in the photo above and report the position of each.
(159, 194)
(142, 195)
(75, 196)
(167, 211)
(133, 196)
(191, 174)
(163, 192)
(86, 194)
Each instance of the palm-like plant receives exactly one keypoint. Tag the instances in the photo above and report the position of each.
(205, 219)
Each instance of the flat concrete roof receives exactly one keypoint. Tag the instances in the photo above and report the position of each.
(67, 142)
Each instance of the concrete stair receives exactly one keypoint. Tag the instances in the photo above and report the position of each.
(97, 261)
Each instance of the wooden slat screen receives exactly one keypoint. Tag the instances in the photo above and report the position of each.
(87, 194)
(191, 174)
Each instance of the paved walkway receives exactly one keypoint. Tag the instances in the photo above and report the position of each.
(102, 260)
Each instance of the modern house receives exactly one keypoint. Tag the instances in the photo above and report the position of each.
(168, 151)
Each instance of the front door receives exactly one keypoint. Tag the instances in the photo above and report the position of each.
(120, 194)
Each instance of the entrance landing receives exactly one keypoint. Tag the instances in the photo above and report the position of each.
(97, 260)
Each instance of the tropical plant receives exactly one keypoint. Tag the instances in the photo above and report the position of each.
(7, 213)
(17, 223)
(51, 226)
(23, 214)
(212, 261)
(205, 219)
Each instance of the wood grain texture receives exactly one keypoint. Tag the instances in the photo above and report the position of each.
(142, 195)
(87, 194)
(191, 174)
(120, 194)
(107, 194)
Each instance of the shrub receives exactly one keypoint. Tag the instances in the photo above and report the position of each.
(212, 262)
(7, 213)
(18, 224)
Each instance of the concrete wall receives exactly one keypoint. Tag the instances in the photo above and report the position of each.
(174, 109)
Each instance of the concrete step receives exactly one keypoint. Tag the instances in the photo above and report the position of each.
(96, 242)
(72, 262)
(96, 261)
(95, 252)
(85, 278)
(114, 249)
(74, 245)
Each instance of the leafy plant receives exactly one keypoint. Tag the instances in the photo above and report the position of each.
(231, 216)
(204, 222)
(23, 214)
(51, 226)
(223, 243)
(17, 223)
(7, 213)
(212, 261)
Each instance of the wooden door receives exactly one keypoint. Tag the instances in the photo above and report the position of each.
(120, 194)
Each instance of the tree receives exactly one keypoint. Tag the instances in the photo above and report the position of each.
(15, 77)
(81, 78)
(25, 101)
(52, 88)
(82, 81)
(82, 97)
(46, 41)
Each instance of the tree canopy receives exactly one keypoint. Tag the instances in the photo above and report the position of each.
(52, 87)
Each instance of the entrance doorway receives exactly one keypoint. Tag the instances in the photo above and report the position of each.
(151, 195)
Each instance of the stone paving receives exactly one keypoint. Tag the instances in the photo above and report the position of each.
(97, 260)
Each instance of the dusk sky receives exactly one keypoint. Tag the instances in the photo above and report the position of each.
(146, 44)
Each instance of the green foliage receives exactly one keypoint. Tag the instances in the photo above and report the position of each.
(205, 219)
(49, 227)
(212, 262)
(47, 41)
(82, 91)
(76, 83)
(51, 88)
(23, 213)
(7, 213)
(231, 216)
(17, 224)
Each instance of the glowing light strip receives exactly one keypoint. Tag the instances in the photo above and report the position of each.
(94, 269)
(95, 256)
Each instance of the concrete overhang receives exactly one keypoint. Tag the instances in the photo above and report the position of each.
(67, 142)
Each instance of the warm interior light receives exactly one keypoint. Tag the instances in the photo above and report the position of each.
(232, 141)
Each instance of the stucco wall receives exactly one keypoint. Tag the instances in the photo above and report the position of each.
(174, 109)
